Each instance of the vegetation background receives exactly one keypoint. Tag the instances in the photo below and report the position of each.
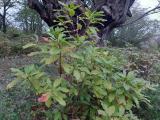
(136, 45)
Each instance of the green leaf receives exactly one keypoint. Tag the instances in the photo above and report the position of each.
(57, 115)
(73, 6)
(108, 85)
(54, 51)
(111, 110)
(126, 87)
(131, 75)
(29, 68)
(83, 75)
(68, 68)
(57, 82)
(15, 70)
(60, 100)
(61, 36)
(34, 53)
(36, 84)
(120, 91)
(48, 103)
(105, 106)
(12, 84)
(50, 60)
(73, 55)
(136, 101)
(77, 75)
(111, 97)
(98, 118)
(74, 91)
(79, 26)
(65, 90)
(100, 91)
(121, 110)
(122, 100)
(101, 112)
(18, 73)
(65, 117)
(71, 12)
(85, 69)
(93, 30)
(129, 104)
(29, 45)
(95, 72)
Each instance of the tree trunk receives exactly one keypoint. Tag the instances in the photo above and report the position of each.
(115, 11)
(1, 21)
(4, 20)
(26, 25)
(39, 26)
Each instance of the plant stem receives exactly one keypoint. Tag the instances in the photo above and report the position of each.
(60, 61)
(60, 64)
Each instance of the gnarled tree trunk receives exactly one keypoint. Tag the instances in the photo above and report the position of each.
(1, 21)
(116, 12)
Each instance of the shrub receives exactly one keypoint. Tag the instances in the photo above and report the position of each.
(152, 112)
(90, 84)
(5, 48)
(10, 46)
(17, 49)
(13, 33)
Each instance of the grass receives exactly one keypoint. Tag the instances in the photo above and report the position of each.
(16, 104)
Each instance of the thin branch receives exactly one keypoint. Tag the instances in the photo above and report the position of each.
(152, 11)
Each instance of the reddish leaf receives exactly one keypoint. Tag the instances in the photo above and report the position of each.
(43, 98)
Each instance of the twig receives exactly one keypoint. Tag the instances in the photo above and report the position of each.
(144, 15)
